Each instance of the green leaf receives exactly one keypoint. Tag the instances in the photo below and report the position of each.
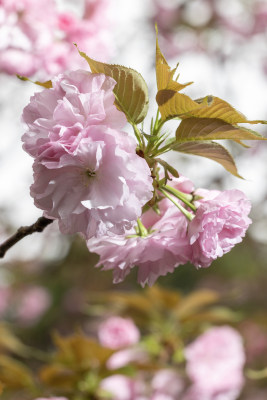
(47, 84)
(14, 374)
(211, 150)
(192, 129)
(173, 104)
(131, 91)
(214, 107)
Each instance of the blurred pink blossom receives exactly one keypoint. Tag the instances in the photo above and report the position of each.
(220, 223)
(167, 382)
(215, 362)
(31, 44)
(120, 387)
(118, 332)
(124, 357)
(32, 303)
(25, 34)
(86, 173)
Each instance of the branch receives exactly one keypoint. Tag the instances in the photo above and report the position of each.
(22, 232)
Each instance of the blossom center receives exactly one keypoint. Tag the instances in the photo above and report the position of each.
(89, 173)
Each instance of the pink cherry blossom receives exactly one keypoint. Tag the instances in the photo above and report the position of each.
(165, 247)
(127, 356)
(77, 100)
(33, 45)
(25, 34)
(32, 303)
(120, 387)
(195, 393)
(167, 382)
(118, 332)
(215, 362)
(220, 223)
(86, 171)
(99, 188)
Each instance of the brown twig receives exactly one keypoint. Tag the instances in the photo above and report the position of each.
(22, 232)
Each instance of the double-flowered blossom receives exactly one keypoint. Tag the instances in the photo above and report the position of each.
(163, 249)
(86, 171)
(215, 362)
(220, 223)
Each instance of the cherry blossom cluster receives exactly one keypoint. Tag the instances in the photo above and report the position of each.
(31, 44)
(89, 177)
(214, 366)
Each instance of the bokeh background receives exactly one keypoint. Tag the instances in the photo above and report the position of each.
(48, 281)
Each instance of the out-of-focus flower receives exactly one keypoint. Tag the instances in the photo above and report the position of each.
(167, 382)
(163, 249)
(32, 303)
(195, 393)
(220, 223)
(215, 362)
(118, 332)
(127, 356)
(31, 44)
(25, 34)
(86, 173)
(121, 387)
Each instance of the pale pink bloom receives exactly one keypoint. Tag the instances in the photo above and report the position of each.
(86, 174)
(220, 223)
(118, 332)
(120, 387)
(167, 382)
(215, 362)
(100, 188)
(60, 115)
(32, 303)
(165, 247)
(127, 356)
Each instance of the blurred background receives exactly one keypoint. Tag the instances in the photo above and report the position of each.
(48, 281)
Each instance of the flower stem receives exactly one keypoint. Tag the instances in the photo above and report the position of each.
(186, 213)
(184, 197)
(142, 230)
